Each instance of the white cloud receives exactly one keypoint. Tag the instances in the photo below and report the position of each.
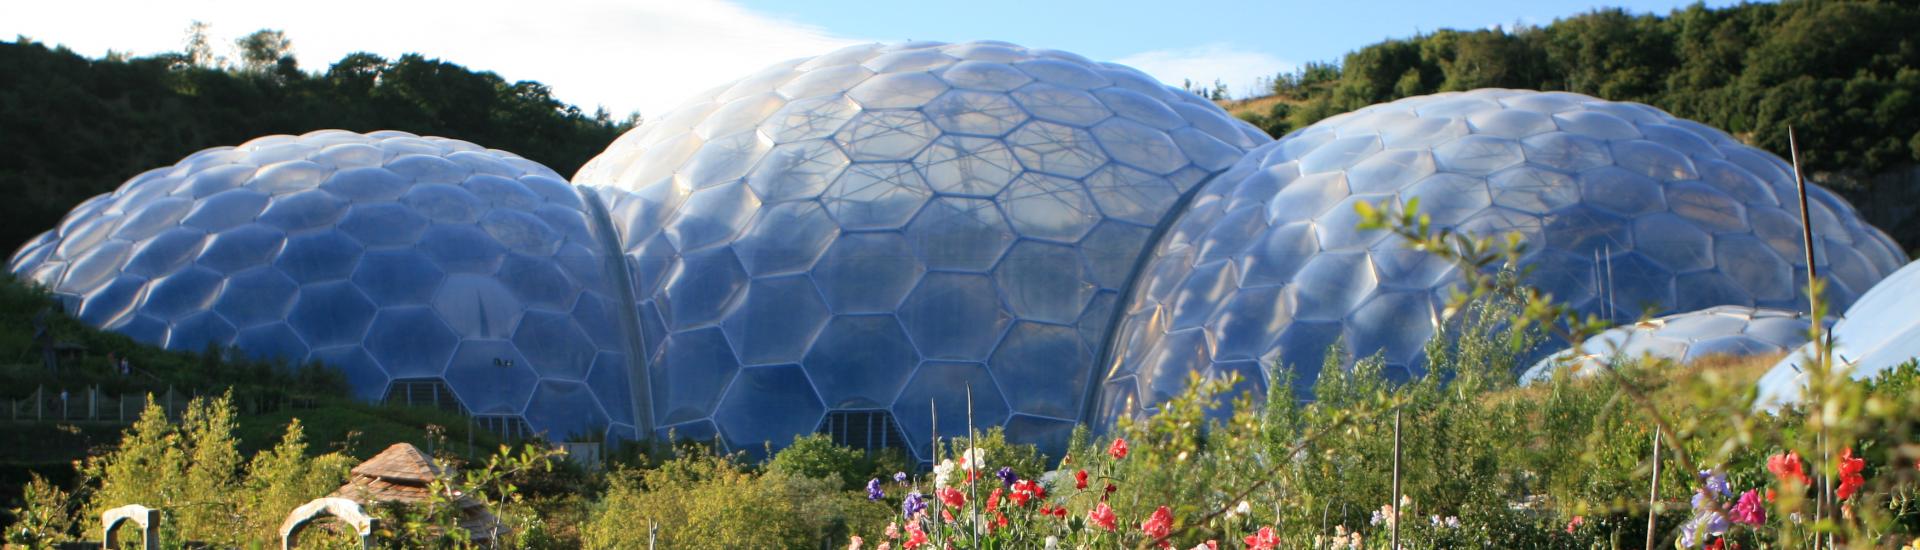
(1241, 70)
(625, 55)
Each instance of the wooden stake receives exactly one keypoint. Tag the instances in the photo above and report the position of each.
(1394, 526)
(1813, 302)
(1653, 492)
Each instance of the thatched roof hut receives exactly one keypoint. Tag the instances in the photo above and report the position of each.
(404, 475)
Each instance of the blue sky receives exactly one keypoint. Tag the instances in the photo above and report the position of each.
(649, 55)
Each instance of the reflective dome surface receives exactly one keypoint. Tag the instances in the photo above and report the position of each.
(1721, 331)
(882, 228)
(1626, 209)
(1880, 331)
(388, 256)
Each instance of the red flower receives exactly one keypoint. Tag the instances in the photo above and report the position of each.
(1000, 520)
(952, 497)
(1717, 544)
(1103, 516)
(993, 500)
(1263, 540)
(1060, 512)
(1118, 449)
(1080, 479)
(1159, 524)
(915, 537)
(1787, 466)
(1026, 490)
(1850, 478)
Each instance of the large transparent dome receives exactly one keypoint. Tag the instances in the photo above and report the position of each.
(882, 227)
(1720, 331)
(1626, 208)
(1881, 331)
(402, 261)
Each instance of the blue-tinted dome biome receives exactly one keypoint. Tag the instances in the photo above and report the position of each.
(851, 242)
(397, 259)
(1878, 334)
(882, 227)
(1625, 209)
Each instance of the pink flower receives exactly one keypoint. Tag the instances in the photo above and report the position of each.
(893, 530)
(1787, 466)
(1749, 510)
(1103, 516)
(1263, 540)
(1118, 449)
(1208, 545)
(1159, 524)
(1575, 523)
(855, 545)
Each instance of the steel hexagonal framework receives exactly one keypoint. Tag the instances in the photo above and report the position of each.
(1622, 204)
(384, 255)
(899, 221)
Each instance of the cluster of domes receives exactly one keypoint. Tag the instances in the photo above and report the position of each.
(859, 241)
(1719, 331)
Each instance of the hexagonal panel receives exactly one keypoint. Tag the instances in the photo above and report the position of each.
(768, 405)
(867, 272)
(778, 320)
(954, 316)
(860, 361)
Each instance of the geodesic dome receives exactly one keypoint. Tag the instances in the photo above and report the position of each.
(1879, 332)
(400, 260)
(1622, 205)
(1720, 331)
(882, 227)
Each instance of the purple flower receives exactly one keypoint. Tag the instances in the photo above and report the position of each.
(1716, 483)
(913, 504)
(899, 477)
(1006, 475)
(873, 490)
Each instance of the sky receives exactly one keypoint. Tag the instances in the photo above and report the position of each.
(650, 55)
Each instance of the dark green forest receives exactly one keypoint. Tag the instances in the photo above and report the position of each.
(1844, 74)
(73, 127)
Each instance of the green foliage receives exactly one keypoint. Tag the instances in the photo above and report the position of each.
(77, 127)
(1844, 75)
(702, 500)
(44, 518)
(816, 456)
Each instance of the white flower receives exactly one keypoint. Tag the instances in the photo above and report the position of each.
(974, 459)
(1243, 508)
(1053, 542)
(1453, 522)
(943, 472)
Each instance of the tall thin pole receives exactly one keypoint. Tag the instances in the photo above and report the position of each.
(1394, 525)
(973, 489)
(1813, 302)
(1653, 492)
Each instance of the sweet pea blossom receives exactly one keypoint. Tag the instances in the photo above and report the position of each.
(973, 459)
(1749, 510)
(913, 505)
(1788, 467)
(943, 472)
(952, 497)
(1080, 479)
(915, 538)
(1118, 450)
(873, 490)
(1159, 524)
(1103, 517)
(1006, 475)
(899, 477)
(855, 543)
(1850, 478)
(1264, 539)
(1208, 545)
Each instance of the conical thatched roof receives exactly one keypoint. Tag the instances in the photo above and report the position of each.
(404, 475)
